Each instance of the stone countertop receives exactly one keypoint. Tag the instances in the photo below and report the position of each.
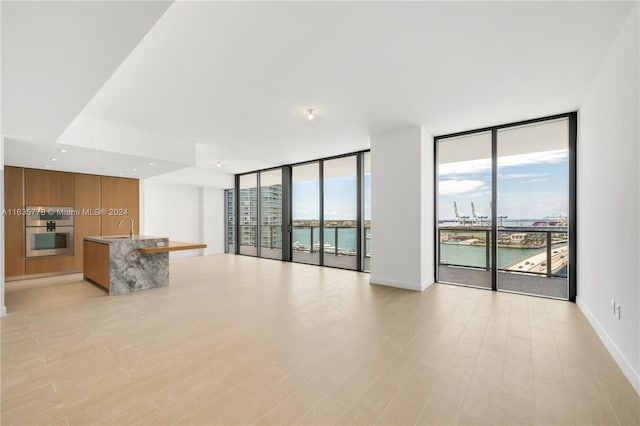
(107, 239)
(129, 269)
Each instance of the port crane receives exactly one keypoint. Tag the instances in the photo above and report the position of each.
(477, 219)
(460, 217)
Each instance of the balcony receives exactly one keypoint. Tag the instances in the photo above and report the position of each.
(530, 260)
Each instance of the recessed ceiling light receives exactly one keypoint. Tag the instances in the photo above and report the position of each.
(63, 150)
(133, 170)
(310, 112)
(120, 174)
(219, 163)
(150, 163)
(47, 166)
(53, 159)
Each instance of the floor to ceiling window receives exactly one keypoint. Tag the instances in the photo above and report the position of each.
(366, 211)
(464, 203)
(230, 221)
(248, 214)
(506, 207)
(271, 214)
(340, 212)
(305, 213)
(317, 212)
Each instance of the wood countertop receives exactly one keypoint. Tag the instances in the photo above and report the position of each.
(172, 246)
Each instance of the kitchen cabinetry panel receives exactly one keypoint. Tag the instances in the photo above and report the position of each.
(13, 224)
(38, 187)
(48, 264)
(96, 263)
(120, 198)
(62, 192)
(87, 199)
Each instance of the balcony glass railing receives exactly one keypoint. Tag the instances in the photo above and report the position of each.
(338, 240)
(271, 236)
(528, 250)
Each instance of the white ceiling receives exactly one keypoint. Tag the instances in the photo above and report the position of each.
(236, 78)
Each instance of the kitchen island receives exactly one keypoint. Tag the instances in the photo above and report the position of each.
(117, 263)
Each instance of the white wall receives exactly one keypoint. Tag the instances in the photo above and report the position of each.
(609, 201)
(427, 238)
(213, 219)
(402, 209)
(183, 213)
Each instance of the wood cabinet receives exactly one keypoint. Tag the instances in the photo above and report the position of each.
(119, 198)
(100, 202)
(13, 223)
(86, 202)
(96, 263)
(62, 189)
(48, 188)
(37, 187)
(48, 264)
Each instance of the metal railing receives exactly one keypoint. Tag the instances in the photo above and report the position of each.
(553, 240)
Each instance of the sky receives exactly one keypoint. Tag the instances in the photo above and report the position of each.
(530, 186)
(339, 198)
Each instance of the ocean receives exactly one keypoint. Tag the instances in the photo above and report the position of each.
(347, 238)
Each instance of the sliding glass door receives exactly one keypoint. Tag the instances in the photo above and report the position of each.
(506, 207)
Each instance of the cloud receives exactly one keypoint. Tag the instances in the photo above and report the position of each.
(465, 167)
(484, 165)
(546, 157)
(521, 175)
(455, 187)
(538, 180)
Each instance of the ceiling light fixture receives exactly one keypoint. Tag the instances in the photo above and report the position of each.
(120, 174)
(63, 150)
(310, 113)
(133, 170)
(47, 166)
(151, 164)
(53, 159)
(219, 163)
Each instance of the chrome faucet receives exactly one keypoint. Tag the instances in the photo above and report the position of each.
(130, 220)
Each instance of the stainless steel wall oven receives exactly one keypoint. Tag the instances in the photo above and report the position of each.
(48, 231)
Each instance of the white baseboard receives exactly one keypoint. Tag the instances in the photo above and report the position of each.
(3, 311)
(627, 368)
(400, 284)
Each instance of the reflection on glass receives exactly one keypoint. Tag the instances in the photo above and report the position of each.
(271, 214)
(305, 202)
(248, 214)
(533, 201)
(366, 246)
(340, 212)
(464, 206)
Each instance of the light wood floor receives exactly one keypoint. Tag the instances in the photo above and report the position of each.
(241, 340)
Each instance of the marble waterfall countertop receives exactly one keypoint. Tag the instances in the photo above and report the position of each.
(129, 269)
